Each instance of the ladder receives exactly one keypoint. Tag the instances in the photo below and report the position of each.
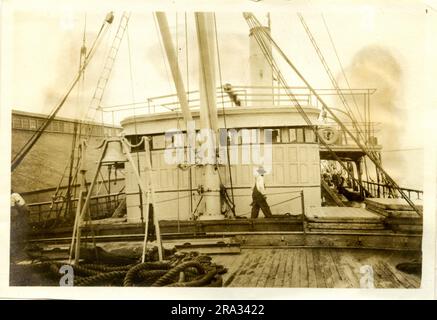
(334, 197)
(108, 65)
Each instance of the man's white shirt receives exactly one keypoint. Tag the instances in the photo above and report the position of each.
(259, 183)
(17, 200)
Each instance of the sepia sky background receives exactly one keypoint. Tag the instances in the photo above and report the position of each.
(381, 45)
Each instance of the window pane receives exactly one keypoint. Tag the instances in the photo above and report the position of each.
(310, 136)
(16, 123)
(134, 140)
(25, 123)
(255, 135)
(299, 135)
(284, 137)
(292, 133)
(158, 142)
(32, 124)
(234, 136)
(276, 136)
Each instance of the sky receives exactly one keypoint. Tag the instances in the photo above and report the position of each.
(380, 45)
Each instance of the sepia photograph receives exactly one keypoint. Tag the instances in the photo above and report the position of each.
(262, 146)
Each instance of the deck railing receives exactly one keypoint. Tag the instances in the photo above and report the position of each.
(230, 96)
(101, 206)
(383, 191)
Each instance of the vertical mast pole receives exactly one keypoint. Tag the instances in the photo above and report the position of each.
(208, 114)
(174, 65)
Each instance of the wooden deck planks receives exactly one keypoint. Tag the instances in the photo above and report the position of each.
(247, 270)
(347, 279)
(262, 280)
(233, 267)
(314, 268)
(273, 273)
(342, 215)
(405, 279)
(280, 275)
(288, 268)
(295, 273)
(240, 275)
(263, 258)
(350, 267)
(318, 268)
(303, 279)
(312, 279)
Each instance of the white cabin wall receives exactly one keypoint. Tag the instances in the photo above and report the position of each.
(132, 189)
(296, 167)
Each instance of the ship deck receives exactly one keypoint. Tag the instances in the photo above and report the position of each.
(315, 268)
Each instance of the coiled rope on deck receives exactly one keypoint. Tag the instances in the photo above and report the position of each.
(180, 270)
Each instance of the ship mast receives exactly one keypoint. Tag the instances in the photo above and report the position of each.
(174, 66)
(210, 190)
(208, 124)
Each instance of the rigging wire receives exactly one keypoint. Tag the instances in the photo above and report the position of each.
(252, 21)
(224, 115)
(331, 77)
(178, 124)
(132, 83)
(342, 68)
(190, 173)
(71, 178)
(37, 134)
(142, 139)
(253, 24)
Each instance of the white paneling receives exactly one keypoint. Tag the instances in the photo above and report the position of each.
(292, 154)
(303, 173)
(293, 174)
(278, 154)
(303, 153)
(279, 174)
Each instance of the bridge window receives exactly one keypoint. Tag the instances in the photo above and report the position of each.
(16, 123)
(292, 133)
(299, 135)
(310, 137)
(285, 135)
(25, 123)
(134, 140)
(296, 135)
(158, 142)
(55, 126)
(276, 136)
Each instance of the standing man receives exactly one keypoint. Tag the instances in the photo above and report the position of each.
(19, 224)
(259, 196)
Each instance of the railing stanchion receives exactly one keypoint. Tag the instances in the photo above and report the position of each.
(302, 201)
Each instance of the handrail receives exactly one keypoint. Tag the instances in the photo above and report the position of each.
(244, 93)
(108, 201)
(384, 190)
